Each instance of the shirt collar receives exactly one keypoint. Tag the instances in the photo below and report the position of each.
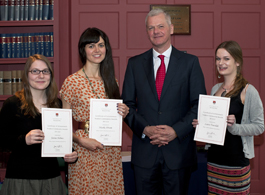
(167, 53)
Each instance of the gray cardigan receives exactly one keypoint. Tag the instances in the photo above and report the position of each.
(252, 122)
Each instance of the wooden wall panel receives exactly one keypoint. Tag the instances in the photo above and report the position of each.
(241, 27)
(241, 2)
(194, 2)
(252, 71)
(139, 2)
(137, 39)
(106, 21)
(202, 34)
(96, 2)
(208, 68)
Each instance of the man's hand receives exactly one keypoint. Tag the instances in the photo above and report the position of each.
(150, 131)
(162, 135)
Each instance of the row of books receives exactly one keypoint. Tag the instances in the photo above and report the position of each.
(15, 10)
(10, 82)
(23, 45)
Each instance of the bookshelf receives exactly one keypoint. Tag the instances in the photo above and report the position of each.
(31, 26)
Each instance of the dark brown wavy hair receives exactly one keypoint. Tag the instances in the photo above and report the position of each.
(233, 48)
(25, 95)
(92, 35)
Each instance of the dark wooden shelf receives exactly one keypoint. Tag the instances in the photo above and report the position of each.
(27, 23)
(4, 61)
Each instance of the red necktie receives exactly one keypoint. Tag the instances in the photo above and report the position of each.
(160, 76)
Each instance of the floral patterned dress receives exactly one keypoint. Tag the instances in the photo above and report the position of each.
(99, 171)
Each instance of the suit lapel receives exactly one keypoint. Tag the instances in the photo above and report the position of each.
(173, 67)
(149, 70)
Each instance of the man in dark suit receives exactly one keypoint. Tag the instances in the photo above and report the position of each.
(163, 150)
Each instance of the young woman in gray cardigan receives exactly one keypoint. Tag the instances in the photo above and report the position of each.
(228, 167)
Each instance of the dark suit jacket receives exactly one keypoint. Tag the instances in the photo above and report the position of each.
(177, 107)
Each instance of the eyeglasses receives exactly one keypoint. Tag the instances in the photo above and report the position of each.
(36, 71)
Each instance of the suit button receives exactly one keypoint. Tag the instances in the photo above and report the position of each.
(159, 112)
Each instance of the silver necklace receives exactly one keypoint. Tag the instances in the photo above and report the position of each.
(225, 90)
(93, 90)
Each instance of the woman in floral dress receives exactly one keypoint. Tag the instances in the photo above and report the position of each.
(99, 168)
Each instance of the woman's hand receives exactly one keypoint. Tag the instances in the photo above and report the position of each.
(70, 158)
(195, 122)
(123, 109)
(231, 119)
(90, 144)
(35, 136)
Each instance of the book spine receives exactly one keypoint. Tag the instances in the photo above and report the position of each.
(22, 10)
(11, 6)
(13, 45)
(31, 10)
(33, 48)
(47, 45)
(26, 8)
(29, 44)
(1, 83)
(41, 43)
(2, 10)
(5, 11)
(7, 83)
(16, 10)
(3, 45)
(19, 80)
(13, 81)
(9, 45)
(20, 49)
(40, 9)
(36, 6)
(26, 45)
(37, 43)
(51, 36)
(46, 9)
(51, 3)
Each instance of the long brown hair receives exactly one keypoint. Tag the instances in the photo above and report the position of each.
(233, 48)
(25, 95)
(92, 35)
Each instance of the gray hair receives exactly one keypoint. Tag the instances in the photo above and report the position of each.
(155, 12)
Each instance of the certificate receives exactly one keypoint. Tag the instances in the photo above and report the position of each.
(105, 122)
(212, 116)
(57, 128)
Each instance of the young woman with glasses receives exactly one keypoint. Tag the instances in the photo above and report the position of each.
(27, 172)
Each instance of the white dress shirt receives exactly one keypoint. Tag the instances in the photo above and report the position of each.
(157, 60)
